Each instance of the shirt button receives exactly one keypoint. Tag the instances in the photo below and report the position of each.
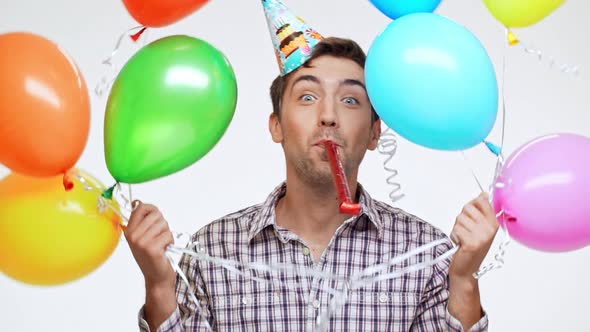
(245, 300)
(316, 303)
(306, 251)
(383, 298)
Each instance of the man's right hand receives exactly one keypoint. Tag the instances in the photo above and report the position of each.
(148, 236)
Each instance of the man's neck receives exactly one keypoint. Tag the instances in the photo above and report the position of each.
(312, 213)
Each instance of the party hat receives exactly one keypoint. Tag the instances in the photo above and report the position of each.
(292, 38)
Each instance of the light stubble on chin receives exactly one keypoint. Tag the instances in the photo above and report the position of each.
(319, 177)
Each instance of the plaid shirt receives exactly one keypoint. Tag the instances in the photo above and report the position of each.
(413, 302)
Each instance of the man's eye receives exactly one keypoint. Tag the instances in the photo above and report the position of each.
(350, 101)
(307, 97)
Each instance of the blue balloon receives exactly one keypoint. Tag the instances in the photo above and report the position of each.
(432, 82)
(398, 8)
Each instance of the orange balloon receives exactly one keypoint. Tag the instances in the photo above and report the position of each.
(159, 13)
(44, 106)
(50, 236)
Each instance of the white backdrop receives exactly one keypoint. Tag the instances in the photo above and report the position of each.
(535, 291)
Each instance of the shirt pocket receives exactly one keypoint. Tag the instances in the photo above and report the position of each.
(373, 310)
(261, 310)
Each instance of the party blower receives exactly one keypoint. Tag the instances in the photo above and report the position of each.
(346, 203)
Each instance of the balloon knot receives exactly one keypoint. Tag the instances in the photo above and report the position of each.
(494, 148)
(68, 182)
(108, 194)
(512, 38)
(137, 35)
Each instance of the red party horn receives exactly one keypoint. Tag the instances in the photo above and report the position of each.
(347, 205)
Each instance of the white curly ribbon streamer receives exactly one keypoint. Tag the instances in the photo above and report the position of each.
(387, 146)
(106, 81)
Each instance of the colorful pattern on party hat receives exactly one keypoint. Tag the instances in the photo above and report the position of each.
(292, 38)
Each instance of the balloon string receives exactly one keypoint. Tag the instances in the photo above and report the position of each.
(387, 146)
(130, 194)
(498, 261)
(395, 260)
(362, 279)
(194, 249)
(500, 158)
(190, 290)
(501, 251)
(472, 172)
(108, 60)
(108, 79)
(339, 297)
(565, 68)
(103, 204)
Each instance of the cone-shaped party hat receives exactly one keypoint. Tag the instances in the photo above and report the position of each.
(292, 38)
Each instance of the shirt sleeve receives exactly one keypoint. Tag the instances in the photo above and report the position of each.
(171, 324)
(455, 325)
(432, 313)
(188, 317)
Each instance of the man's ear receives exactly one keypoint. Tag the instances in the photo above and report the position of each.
(375, 135)
(274, 126)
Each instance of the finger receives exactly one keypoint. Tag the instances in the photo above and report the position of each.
(139, 213)
(151, 222)
(455, 239)
(160, 244)
(465, 221)
(135, 203)
(163, 241)
(156, 227)
(140, 226)
(460, 234)
(473, 213)
(483, 204)
(474, 237)
(136, 214)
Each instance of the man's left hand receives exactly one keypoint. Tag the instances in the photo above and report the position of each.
(474, 232)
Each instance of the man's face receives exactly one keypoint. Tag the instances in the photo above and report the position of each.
(327, 101)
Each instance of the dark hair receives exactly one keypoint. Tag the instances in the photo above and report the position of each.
(334, 46)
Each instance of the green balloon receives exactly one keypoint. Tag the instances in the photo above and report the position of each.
(169, 106)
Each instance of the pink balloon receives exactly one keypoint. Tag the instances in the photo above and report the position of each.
(544, 191)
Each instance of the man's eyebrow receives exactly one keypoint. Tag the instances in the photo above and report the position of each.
(353, 82)
(308, 78)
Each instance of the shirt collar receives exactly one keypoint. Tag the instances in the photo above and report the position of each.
(267, 214)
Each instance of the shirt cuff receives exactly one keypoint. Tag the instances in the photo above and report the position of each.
(171, 324)
(455, 325)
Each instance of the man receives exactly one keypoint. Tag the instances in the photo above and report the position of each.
(300, 223)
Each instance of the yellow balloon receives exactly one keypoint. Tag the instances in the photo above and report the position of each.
(49, 236)
(521, 13)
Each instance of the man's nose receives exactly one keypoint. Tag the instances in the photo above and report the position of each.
(328, 115)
